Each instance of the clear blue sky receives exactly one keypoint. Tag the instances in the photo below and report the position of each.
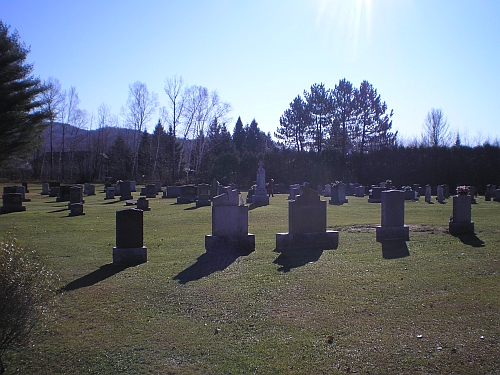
(259, 54)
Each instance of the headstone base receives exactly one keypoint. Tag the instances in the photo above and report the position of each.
(336, 202)
(181, 200)
(8, 210)
(315, 241)
(392, 233)
(203, 203)
(129, 256)
(461, 228)
(131, 203)
(242, 244)
(260, 200)
(374, 200)
(76, 209)
(126, 197)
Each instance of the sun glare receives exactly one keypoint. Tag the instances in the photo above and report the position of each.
(346, 21)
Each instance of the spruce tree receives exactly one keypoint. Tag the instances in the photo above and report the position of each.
(23, 114)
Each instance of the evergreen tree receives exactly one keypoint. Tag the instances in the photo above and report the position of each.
(293, 125)
(120, 159)
(344, 119)
(239, 135)
(319, 105)
(22, 112)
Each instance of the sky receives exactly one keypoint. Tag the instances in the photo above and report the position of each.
(260, 54)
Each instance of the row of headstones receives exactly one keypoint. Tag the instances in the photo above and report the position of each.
(306, 225)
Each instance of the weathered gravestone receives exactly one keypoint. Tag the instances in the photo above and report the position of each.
(25, 184)
(328, 190)
(440, 194)
(189, 194)
(428, 194)
(294, 191)
(338, 194)
(375, 194)
(250, 194)
(229, 225)
(487, 193)
(173, 191)
(76, 209)
(64, 193)
(203, 195)
(75, 195)
(110, 193)
(393, 217)
(460, 221)
(12, 202)
(497, 195)
(91, 189)
(126, 191)
(132, 186)
(151, 191)
(410, 194)
(214, 188)
(260, 197)
(45, 189)
(307, 225)
(118, 190)
(143, 204)
(359, 191)
(129, 249)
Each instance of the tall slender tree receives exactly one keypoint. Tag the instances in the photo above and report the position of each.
(344, 119)
(140, 108)
(319, 105)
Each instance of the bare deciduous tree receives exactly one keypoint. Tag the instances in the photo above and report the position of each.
(175, 93)
(54, 102)
(140, 108)
(436, 130)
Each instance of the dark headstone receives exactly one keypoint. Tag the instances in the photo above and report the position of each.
(129, 248)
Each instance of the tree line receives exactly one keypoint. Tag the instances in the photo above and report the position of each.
(344, 133)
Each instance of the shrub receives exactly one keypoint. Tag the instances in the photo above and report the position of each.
(26, 293)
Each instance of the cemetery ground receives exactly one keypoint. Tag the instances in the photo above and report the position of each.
(324, 312)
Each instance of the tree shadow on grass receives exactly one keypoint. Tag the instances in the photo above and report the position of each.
(206, 264)
(294, 258)
(470, 240)
(94, 277)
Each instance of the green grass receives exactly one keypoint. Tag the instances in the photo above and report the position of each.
(246, 315)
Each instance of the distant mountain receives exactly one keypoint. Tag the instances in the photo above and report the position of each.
(79, 139)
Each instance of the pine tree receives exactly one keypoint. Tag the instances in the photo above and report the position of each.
(22, 112)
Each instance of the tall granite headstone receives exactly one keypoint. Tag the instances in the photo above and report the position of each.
(129, 249)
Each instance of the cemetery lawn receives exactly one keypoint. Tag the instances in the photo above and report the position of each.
(435, 311)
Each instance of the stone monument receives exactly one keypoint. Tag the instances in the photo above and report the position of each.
(260, 197)
(129, 249)
(229, 224)
(393, 217)
(460, 221)
(307, 225)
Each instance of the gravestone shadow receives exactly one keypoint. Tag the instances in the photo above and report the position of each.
(94, 277)
(60, 210)
(394, 249)
(294, 258)
(112, 201)
(206, 264)
(470, 240)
